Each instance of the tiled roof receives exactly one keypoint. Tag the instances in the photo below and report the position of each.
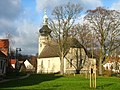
(13, 61)
(52, 49)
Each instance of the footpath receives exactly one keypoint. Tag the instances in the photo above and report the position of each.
(22, 77)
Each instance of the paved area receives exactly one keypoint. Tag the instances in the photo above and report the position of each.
(22, 77)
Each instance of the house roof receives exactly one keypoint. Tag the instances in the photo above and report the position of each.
(114, 58)
(12, 61)
(74, 43)
(33, 60)
(2, 55)
(4, 43)
(52, 49)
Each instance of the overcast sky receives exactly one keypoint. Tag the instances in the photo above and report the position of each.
(23, 19)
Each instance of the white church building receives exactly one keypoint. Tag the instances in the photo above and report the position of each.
(48, 60)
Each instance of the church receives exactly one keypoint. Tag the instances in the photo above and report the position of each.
(48, 60)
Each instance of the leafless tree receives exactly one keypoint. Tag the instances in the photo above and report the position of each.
(106, 26)
(62, 22)
(84, 35)
(11, 40)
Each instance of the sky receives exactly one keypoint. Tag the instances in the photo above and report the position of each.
(22, 19)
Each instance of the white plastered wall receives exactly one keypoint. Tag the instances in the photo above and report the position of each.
(48, 65)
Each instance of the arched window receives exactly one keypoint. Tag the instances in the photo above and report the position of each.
(71, 62)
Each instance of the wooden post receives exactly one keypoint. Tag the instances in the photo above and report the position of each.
(86, 74)
(90, 78)
(93, 80)
(74, 74)
(95, 76)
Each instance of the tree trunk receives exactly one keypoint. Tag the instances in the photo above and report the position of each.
(77, 71)
(100, 67)
(62, 65)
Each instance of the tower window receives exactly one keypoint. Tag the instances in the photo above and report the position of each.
(40, 45)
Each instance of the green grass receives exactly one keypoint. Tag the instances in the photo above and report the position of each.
(14, 75)
(57, 82)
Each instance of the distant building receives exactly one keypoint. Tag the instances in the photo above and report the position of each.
(48, 60)
(4, 49)
(29, 64)
(13, 62)
(113, 64)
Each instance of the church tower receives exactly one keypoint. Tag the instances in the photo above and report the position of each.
(44, 34)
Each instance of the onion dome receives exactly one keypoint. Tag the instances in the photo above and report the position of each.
(45, 30)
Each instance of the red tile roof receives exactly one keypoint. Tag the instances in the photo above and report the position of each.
(4, 46)
(4, 43)
(12, 61)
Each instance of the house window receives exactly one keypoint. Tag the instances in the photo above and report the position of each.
(71, 62)
(48, 63)
(0, 64)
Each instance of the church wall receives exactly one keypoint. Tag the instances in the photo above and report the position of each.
(42, 43)
(71, 62)
(48, 65)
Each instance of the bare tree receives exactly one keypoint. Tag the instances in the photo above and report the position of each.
(62, 23)
(84, 35)
(11, 40)
(106, 26)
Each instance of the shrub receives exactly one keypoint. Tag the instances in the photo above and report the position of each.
(108, 73)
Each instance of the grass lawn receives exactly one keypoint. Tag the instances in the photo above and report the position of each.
(57, 82)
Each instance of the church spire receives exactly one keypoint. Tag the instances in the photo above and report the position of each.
(45, 18)
(45, 30)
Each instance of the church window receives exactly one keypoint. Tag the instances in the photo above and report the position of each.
(42, 64)
(48, 63)
(71, 62)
